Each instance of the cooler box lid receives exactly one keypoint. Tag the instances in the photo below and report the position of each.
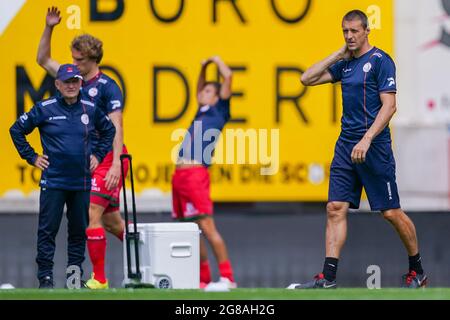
(169, 227)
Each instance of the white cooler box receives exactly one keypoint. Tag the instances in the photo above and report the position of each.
(168, 255)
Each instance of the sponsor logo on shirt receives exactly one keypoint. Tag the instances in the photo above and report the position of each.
(87, 103)
(115, 104)
(57, 118)
(391, 81)
(23, 118)
(48, 102)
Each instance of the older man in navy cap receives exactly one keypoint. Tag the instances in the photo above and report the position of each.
(66, 124)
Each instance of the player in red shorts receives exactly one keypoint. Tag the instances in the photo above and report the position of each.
(190, 182)
(104, 209)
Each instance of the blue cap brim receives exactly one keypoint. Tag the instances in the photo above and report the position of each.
(67, 77)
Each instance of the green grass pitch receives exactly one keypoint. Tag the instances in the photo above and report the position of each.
(236, 294)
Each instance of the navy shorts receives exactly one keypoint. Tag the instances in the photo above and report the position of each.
(376, 175)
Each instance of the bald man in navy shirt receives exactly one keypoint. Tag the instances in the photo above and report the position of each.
(363, 154)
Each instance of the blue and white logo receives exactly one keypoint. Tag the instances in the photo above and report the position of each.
(85, 118)
(204, 108)
(391, 81)
(93, 92)
(367, 67)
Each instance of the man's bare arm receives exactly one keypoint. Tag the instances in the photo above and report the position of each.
(318, 72)
(388, 108)
(202, 76)
(382, 119)
(44, 51)
(113, 175)
(227, 74)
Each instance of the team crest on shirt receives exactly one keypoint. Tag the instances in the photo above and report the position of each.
(85, 118)
(93, 92)
(367, 67)
(204, 108)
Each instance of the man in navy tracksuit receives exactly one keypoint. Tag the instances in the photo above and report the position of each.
(66, 124)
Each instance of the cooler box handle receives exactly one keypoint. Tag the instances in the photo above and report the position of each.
(181, 250)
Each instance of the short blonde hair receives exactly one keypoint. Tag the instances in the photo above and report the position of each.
(89, 46)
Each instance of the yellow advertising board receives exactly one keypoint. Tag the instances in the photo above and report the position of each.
(153, 48)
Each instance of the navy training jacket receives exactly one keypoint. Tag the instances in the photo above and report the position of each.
(66, 133)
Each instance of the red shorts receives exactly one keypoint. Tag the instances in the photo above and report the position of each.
(108, 199)
(190, 193)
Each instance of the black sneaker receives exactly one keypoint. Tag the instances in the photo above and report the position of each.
(319, 282)
(46, 283)
(413, 280)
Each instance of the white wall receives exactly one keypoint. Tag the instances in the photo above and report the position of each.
(421, 140)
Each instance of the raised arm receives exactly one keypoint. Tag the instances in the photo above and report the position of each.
(318, 73)
(44, 58)
(202, 76)
(227, 74)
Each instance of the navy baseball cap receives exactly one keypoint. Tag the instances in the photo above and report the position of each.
(68, 71)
